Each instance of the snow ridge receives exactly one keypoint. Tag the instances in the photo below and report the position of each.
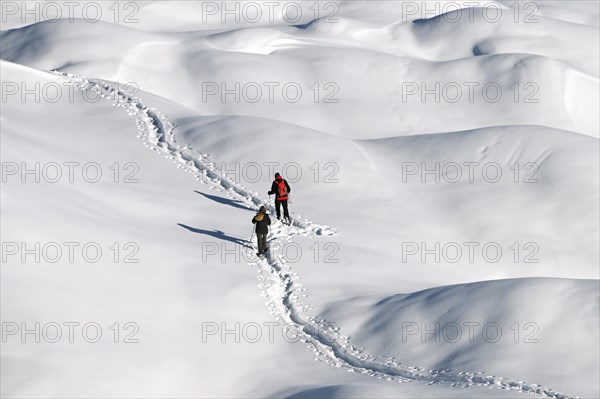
(278, 281)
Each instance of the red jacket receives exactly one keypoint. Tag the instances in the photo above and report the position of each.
(276, 189)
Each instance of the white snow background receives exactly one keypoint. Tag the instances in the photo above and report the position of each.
(356, 282)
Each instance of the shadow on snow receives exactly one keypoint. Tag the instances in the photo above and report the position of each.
(217, 234)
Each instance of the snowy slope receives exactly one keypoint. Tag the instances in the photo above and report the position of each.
(487, 80)
(375, 291)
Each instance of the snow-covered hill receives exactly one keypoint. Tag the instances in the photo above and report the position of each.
(439, 248)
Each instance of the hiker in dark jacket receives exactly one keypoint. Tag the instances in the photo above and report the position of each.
(262, 222)
(281, 189)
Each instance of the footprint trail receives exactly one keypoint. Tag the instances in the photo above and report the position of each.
(278, 282)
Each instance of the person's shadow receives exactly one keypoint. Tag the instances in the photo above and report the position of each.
(217, 234)
(224, 201)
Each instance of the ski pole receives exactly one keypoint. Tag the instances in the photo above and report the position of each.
(252, 235)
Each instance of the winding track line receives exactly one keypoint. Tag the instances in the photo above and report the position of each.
(278, 281)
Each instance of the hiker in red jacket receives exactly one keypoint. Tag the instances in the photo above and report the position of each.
(281, 188)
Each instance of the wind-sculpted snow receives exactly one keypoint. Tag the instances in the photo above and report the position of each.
(279, 283)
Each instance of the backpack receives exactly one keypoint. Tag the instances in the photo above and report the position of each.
(282, 190)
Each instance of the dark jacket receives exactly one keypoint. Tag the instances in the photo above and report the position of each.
(262, 226)
(275, 189)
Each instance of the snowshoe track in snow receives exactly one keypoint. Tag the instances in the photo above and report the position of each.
(278, 281)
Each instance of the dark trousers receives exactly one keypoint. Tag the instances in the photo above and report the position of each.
(262, 242)
(278, 205)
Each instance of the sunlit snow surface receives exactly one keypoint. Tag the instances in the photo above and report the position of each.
(367, 280)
